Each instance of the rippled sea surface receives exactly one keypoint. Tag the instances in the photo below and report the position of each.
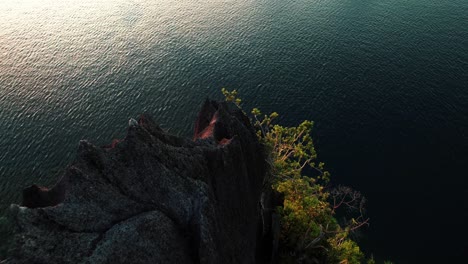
(386, 82)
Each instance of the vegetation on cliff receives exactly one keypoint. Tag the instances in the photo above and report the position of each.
(310, 230)
(310, 211)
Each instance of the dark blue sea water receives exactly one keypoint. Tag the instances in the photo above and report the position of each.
(386, 82)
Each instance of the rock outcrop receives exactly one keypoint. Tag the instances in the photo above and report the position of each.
(153, 198)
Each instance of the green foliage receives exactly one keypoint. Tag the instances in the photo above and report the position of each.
(309, 230)
(344, 250)
(304, 211)
(231, 96)
(371, 260)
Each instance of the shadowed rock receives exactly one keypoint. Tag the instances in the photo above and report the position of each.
(152, 198)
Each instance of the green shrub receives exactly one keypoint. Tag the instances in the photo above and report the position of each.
(309, 229)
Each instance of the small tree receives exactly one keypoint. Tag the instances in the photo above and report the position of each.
(309, 229)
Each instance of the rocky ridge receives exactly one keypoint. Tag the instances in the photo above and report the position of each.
(154, 198)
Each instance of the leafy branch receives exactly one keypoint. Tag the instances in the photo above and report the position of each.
(309, 229)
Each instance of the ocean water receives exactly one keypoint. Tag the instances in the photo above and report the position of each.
(386, 82)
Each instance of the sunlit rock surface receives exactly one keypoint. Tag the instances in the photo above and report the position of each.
(153, 198)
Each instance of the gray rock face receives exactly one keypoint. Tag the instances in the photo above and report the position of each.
(152, 198)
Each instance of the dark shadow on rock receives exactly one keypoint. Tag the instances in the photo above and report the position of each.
(154, 198)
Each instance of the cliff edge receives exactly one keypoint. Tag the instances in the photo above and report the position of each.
(153, 198)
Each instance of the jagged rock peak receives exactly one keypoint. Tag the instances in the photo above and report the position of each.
(151, 198)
